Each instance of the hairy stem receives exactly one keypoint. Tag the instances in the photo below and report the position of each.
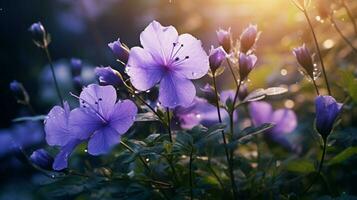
(53, 74)
(169, 124)
(318, 51)
(234, 188)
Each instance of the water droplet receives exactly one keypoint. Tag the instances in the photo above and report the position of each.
(147, 159)
(126, 70)
(136, 92)
(283, 72)
(198, 115)
(147, 91)
(53, 176)
(85, 150)
(133, 95)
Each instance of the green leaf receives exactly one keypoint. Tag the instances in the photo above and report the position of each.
(349, 83)
(344, 155)
(275, 91)
(30, 118)
(300, 166)
(217, 128)
(255, 95)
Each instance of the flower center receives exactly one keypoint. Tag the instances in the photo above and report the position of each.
(175, 57)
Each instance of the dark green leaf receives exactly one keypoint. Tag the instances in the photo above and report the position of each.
(30, 118)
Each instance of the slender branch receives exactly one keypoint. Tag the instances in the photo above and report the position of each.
(234, 188)
(319, 168)
(315, 86)
(334, 24)
(53, 74)
(215, 174)
(350, 15)
(140, 157)
(169, 123)
(318, 51)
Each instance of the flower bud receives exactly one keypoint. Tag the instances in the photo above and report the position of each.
(216, 57)
(42, 159)
(120, 50)
(304, 59)
(246, 65)
(16, 87)
(248, 38)
(76, 67)
(108, 76)
(327, 110)
(77, 83)
(39, 35)
(225, 39)
(243, 92)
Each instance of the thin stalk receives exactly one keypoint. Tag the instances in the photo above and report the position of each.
(140, 157)
(315, 86)
(334, 24)
(319, 168)
(318, 51)
(191, 178)
(53, 74)
(169, 123)
(350, 15)
(232, 72)
(234, 188)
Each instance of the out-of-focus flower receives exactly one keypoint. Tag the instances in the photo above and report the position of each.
(199, 112)
(108, 76)
(248, 38)
(323, 8)
(76, 66)
(39, 35)
(246, 65)
(16, 87)
(225, 39)
(327, 110)
(120, 50)
(304, 59)
(216, 57)
(170, 59)
(42, 159)
(284, 119)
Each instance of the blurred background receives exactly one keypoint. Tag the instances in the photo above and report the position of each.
(83, 28)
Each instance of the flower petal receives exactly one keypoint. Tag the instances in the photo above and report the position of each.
(159, 40)
(260, 112)
(193, 61)
(56, 126)
(175, 90)
(123, 116)
(144, 72)
(61, 160)
(83, 122)
(103, 140)
(285, 121)
(99, 98)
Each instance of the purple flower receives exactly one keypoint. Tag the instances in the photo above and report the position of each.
(42, 159)
(120, 50)
(39, 34)
(170, 59)
(327, 110)
(99, 119)
(16, 87)
(108, 76)
(199, 112)
(304, 59)
(225, 39)
(284, 119)
(216, 57)
(246, 65)
(76, 67)
(248, 38)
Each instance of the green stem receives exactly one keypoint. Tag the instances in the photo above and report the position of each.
(191, 178)
(315, 86)
(53, 74)
(169, 124)
(234, 188)
(140, 157)
(319, 168)
(318, 51)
